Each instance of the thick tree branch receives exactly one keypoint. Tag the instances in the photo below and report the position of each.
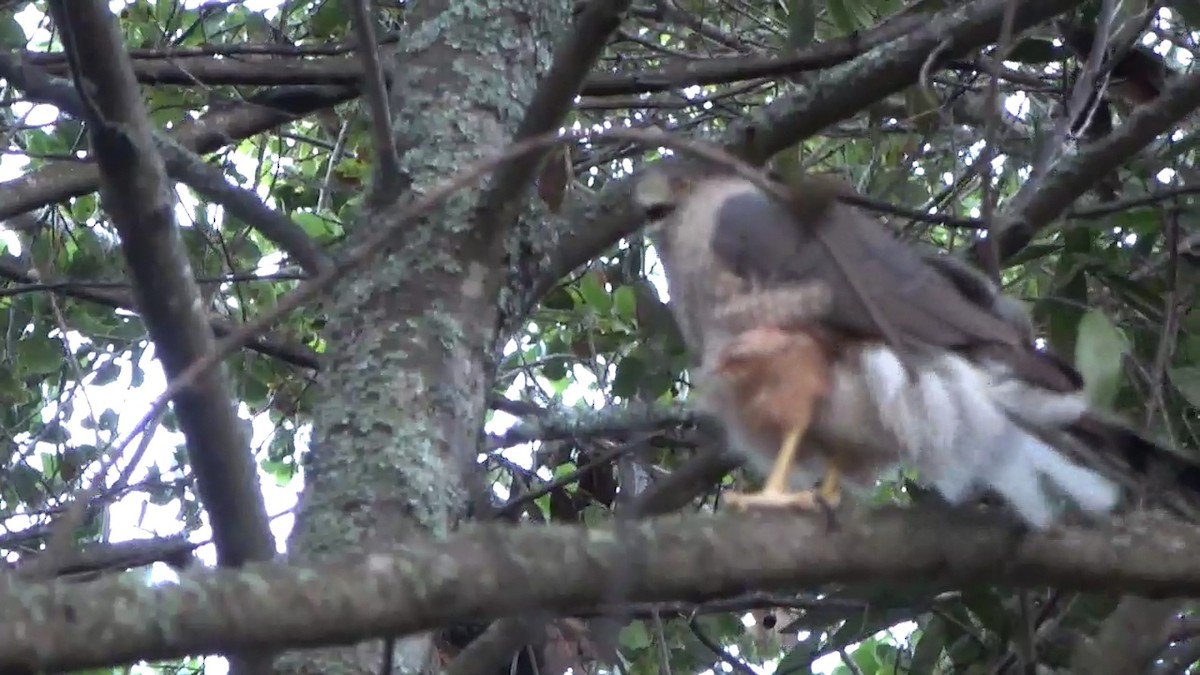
(60, 626)
(134, 190)
(585, 423)
(1040, 202)
(555, 95)
(1130, 639)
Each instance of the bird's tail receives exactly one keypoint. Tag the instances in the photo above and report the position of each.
(1147, 466)
(1039, 443)
(1091, 491)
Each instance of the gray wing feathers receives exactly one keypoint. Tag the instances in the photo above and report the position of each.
(758, 239)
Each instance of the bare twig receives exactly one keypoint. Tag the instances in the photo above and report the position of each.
(720, 652)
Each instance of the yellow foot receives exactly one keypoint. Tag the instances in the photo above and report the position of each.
(805, 500)
(830, 491)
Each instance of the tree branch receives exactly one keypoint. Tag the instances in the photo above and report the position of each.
(585, 423)
(134, 190)
(554, 98)
(14, 269)
(386, 170)
(217, 128)
(206, 180)
(1040, 202)
(596, 224)
(57, 626)
(1130, 639)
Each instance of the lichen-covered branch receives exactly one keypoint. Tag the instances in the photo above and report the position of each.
(490, 571)
(587, 423)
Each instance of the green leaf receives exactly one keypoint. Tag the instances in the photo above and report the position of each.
(594, 294)
(1099, 349)
(1061, 306)
(799, 658)
(39, 355)
(1187, 380)
(543, 504)
(554, 369)
(329, 20)
(559, 299)
(842, 14)
(26, 482)
(627, 381)
(635, 636)
(865, 657)
(625, 303)
(313, 225)
(1030, 253)
(106, 374)
(12, 35)
(929, 647)
(281, 471)
(54, 433)
(108, 420)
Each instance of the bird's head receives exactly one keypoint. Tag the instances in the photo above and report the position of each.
(659, 191)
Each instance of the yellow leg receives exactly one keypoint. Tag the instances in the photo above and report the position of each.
(778, 479)
(831, 489)
(774, 493)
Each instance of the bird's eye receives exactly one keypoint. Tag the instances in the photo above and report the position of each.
(659, 211)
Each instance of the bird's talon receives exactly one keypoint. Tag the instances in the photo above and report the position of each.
(829, 506)
(807, 500)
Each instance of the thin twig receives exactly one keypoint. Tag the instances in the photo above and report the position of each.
(387, 165)
(721, 653)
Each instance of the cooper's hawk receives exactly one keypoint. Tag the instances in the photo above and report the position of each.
(827, 346)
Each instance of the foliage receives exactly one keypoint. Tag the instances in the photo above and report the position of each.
(76, 368)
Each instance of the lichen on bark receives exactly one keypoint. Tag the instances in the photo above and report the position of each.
(411, 339)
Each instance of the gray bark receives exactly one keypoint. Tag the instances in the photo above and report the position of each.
(411, 340)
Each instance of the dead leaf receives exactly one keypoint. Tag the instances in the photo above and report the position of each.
(555, 178)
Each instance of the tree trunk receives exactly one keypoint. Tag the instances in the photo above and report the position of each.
(411, 339)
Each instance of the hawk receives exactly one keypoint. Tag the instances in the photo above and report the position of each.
(826, 347)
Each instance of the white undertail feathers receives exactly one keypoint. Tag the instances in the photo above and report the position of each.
(964, 427)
